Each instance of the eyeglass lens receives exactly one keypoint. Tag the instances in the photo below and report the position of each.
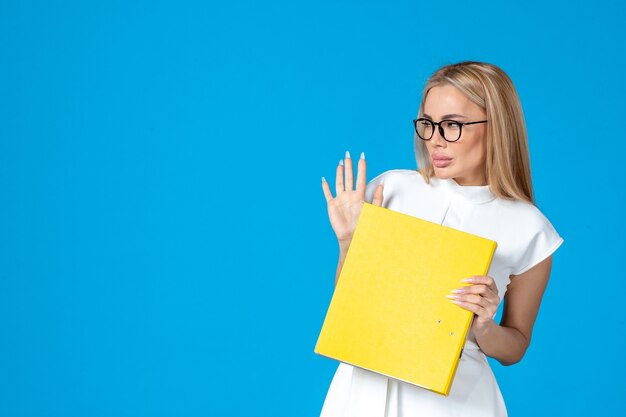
(426, 128)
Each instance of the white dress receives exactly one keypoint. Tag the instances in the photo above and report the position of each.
(524, 236)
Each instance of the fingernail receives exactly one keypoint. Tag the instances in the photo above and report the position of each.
(347, 154)
(457, 291)
(452, 296)
(341, 162)
(466, 280)
(362, 155)
(454, 301)
(323, 179)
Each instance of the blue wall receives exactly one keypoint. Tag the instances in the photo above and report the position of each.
(164, 242)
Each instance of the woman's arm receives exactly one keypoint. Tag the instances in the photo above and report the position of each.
(508, 341)
(343, 251)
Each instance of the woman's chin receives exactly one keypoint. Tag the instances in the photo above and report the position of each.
(442, 173)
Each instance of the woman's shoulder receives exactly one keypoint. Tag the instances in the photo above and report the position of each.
(533, 231)
(395, 176)
(526, 221)
(394, 181)
(524, 212)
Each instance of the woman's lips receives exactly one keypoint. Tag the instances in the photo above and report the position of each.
(441, 162)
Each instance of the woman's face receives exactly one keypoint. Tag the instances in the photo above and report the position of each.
(467, 155)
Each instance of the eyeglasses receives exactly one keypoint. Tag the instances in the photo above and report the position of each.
(450, 130)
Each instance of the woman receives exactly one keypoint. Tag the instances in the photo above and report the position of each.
(473, 175)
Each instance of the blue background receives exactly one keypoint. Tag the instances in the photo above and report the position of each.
(164, 242)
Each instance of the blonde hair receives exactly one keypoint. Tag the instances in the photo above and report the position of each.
(507, 156)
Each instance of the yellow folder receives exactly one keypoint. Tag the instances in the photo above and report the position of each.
(389, 312)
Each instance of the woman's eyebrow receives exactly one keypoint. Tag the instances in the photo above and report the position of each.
(447, 116)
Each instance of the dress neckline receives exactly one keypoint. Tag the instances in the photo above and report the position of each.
(475, 194)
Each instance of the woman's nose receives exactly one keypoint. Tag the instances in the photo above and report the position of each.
(437, 139)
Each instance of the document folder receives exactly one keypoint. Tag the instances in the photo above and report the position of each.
(389, 312)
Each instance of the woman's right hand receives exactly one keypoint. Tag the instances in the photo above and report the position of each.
(344, 210)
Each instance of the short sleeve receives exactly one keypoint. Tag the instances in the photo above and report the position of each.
(542, 242)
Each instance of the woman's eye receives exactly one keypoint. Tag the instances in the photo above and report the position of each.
(451, 125)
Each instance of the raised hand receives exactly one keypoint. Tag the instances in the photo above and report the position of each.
(344, 210)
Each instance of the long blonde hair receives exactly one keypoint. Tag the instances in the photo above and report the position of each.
(507, 159)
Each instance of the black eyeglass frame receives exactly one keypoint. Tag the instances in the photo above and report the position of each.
(441, 131)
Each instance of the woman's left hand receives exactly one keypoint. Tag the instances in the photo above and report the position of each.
(481, 298)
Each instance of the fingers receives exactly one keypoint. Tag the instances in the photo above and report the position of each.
(361, 177)
(377, 200)
(484, 307)
(471, 298)
(481, 298)
(339, 178)
(470, 293)
(344, 180)
(326, 189)
(480, 289)
(474, 308)
(349, 181)
(483, 279)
